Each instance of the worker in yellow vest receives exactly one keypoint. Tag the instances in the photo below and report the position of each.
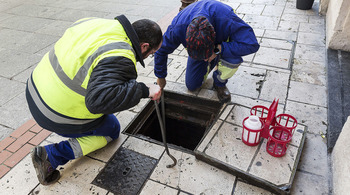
(88, 75)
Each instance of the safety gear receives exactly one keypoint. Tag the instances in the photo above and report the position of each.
(45, 172)
(57, 92)
(68, 66)
(226, 70)
(223, 94)
(79, 145)
(197, 72)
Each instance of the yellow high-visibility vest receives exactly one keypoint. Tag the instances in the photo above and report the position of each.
(62, 76)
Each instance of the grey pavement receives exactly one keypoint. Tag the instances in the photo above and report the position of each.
(290, 65)
(28, 29)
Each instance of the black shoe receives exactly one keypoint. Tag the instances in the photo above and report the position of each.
(46, 173)
(223, 94)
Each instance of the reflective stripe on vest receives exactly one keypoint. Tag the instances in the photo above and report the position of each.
(51, 115)
(75, 84)
(81, 21)
(62, 76)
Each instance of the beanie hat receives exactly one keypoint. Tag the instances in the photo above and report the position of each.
(200, 38)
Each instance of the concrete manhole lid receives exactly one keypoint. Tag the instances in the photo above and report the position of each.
(223, 148)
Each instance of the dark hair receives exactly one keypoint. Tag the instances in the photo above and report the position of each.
(148, 32)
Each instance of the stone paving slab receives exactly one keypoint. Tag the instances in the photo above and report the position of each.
(16, 108)
(315, 117)
(192, 176)
(310, 52)
(76, 178)
(14, 87)
(275, 43)
(308, 93)
(247, 81)
(25, 23)
(270, 90)
(266, 67)
(311, 72)
(273, 57)
(17, 62)
(34, 10)
(253, 164)
(273, 10)
(262, 22)
(277, 28)
(27, 42)
(286, 35)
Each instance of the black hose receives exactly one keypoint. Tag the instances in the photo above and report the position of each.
(162, 128)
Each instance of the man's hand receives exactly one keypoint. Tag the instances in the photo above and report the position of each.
(154, 91)
(161, 82)
(212, 57)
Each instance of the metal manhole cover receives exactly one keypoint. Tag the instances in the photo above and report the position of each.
(126, 172)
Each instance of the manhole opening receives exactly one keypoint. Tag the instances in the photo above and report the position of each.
(187, 119)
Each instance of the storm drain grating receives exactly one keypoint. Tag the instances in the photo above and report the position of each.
(126, 172)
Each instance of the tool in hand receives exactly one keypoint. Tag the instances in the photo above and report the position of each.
(162, 128)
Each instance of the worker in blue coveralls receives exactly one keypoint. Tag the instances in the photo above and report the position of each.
(214, 36)
(77, 86)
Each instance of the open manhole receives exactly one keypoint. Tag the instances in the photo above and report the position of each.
(187, 118)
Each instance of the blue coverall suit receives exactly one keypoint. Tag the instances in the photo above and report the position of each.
(237, 39)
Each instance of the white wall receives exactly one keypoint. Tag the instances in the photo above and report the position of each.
(338, 25)
(323, 7)
(340, 162)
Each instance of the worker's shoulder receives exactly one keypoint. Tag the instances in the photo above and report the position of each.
(217, 4)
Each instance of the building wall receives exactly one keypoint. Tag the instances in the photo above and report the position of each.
(340, 162)
(338, 25)
(323, 7)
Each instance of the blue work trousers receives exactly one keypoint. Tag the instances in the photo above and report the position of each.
(60, 153)
(197, 72)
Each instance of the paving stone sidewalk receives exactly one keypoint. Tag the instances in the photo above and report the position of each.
(290, 66)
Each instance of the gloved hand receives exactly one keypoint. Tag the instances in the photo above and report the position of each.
(154, 91)
(161, 82)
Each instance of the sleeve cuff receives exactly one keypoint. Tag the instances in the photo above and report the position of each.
(145, 90)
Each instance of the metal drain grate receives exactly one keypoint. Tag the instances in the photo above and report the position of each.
(126, 172)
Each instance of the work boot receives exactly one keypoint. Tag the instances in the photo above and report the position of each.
(223, 93)
(46, 173)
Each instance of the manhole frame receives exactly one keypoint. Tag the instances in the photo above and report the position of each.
(283, 189)
(149, 108)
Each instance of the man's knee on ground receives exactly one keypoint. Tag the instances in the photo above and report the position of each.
(193, 86)
(116, 132)
(111, 127)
